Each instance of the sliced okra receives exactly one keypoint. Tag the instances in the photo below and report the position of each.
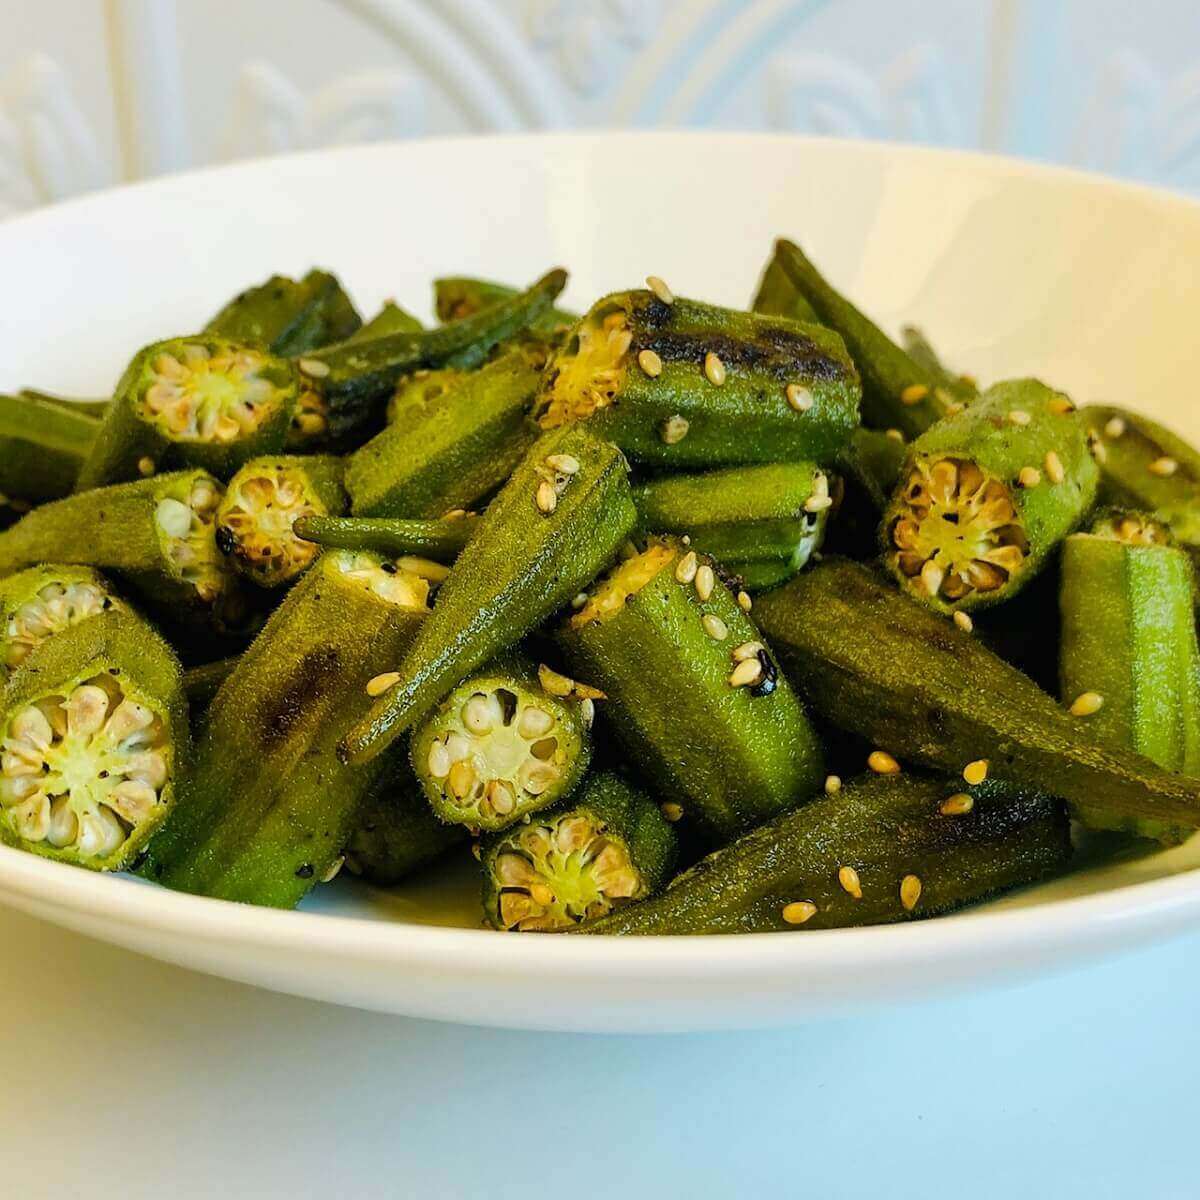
(692, 385)
(554, 526)
(778, 296)
(42, 447)
(441, 540)
(268, 808)
(758, 521)
(1129, 651)
(693, 694)
(926, 691)
(500, 747)
(882, 849)
(608, 846)
(458, 297)
(986, 495)
(93, 739)
(898, 391)
(260, 506)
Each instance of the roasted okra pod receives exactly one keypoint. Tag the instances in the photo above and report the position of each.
(42, 446)
(555, 525)
(499, 747)
(921, 350)
(391, 318)
(440, 540)
(778, 296)
(691, 385)
(883, 849)
(986, 495)
(607, 847)
(925, 690)
(458, 297)
(93, 738)
(868, 470)
(693, 695)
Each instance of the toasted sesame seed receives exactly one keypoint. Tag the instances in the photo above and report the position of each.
(747, 673)
(674, 429)
(1054, 467)
(1097, 449)
(686, 539)
(746, 650)
(1019, 416)
(476, 850)
(848, 878)
(145, 466)
(705, 581)
(817, 503)
(1114, 427)
(650, 363)
(957, 805)
(568, 464)
(685, 568)
(383, 683)
(964, 622)
(745, 603)
(895, 435)
(975, 772)
(914, 393)
(882, 763)
(1086, 704)
(715, 627)
(1061, 405)
(910, 891)
(714, 369)
(314, 367)
(1164, 466)
(579, 600)
(1029, 477)
(587, 711)
(671, 811)
(798, 912)
(455, 514)
(932, 576)
(547, 497)
(660, 289)
(833, 785)
(799, 397)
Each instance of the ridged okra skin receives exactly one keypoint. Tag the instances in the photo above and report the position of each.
(868, 470)
(93, 742)
(987, 495)
(268, 807)
(42, 446)
(881, 850)
(607, 847)
(200, 401)
(455, 297)
(898, 391)
(1129, 645)
(778, 296)
(441, 540)
(693, 696)
(449, 451)
(687, 384)
(920, 349)
(552, 529)
(500, 747)
(758, 521)
(416, 391)
(263, 500)
(871, 661)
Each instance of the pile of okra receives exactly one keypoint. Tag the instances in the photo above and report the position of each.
(679, 618)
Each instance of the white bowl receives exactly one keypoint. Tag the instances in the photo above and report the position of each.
(1014, 269)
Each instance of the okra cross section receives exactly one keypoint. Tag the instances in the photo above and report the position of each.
(607, 847)
(500, 747)
(986, 495)
(692, 385)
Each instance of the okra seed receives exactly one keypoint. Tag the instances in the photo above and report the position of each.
(674, 429)
(833, 785)
(480, 713)
(534, 722)
(882, 763)
(500, 797)
(963, 621)
(547, 497)
(1097, 449)
(715, 627)
(932, 576)
(650, 363)
(976, 772)
(383, 683)
(457, 747)
(705, 581)
(1086, 704)
(587, 711)
(714, 369)
(746, 674)
(455, 514)
(799, 397)
(568, 464)
(1054, 467)
(816, 504)
(1018, 416)
(672, 811)
(799, 911)
(174, 518)
(685, 569)
(747, 650)
(1029, 477)
(745, 603)
(145, 466)
(851, 884)
(438, 761)
(660, 289)
(957, 805)
(895, 435)
(914, 393)
(1164, 467)
(314, 367)
(462, 779)
(910, 891)
(1115, 427)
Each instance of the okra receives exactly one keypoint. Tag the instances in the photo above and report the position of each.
(201, 684)
(778, 296)
(391, 318)
(263, 500)
(687, 384)
(898, 392)
(868, 470)
(883, 849)
(77, 404)
(1129, 651)
(921, 350)
(608, 847)
(459, 297)
(93, 740)
(765, 520)
(441, 540)
(499, 747)
(447, 451)
(554, 526)
(693, 695)
(415, 392)
(985, 496)
(926, 691)
(42, 447)
(268, 808)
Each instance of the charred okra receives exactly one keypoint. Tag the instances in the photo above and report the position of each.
(925, 690)
(268, 808)
(93, 738)
(986, 495)
(261, 503)
(499, 747)
(1129, 655)
(609, 846)
(760, 522)
(555, 525)
(883, 849)
(458, 297)
(693, 694)
(42, 447)
(392, 537)
(691, 385)
(898, 392)
(778, 296)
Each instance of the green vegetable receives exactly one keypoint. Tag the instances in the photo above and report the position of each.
(778, 296)
(391, 318)
(456, 298)
(883, 849)
(201, 684)
(557, 522)
(874, 663)
(694, 697)
(42, 446)
(90, 408)
(687, 384)
(440, 540)
(987, 495)
(921, 350)
(608, 847)
(868, 471)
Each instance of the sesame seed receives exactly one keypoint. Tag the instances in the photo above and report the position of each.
(747, 650)
(848, 878)
(1019, 416)
(568, 464)
(686, 539)
(547, 497)
(953, 408)
(895, 435)
(910, 891)
(1054, 467)
(705, 581)
(1164, 466)
(746, 673)
(1061, 405)
(932, 576)
(587, 711)
(817, 503)
(914, 393)
(145, 466)
(579, 600)
(882, 763)
(685, 569)
(674, 429)
(671, 811)
(314, 367)
(382, 683)
(1097, 449)
(455, 514)
(964, 622)
(745, 603)
(799, 397)
(1086, 704)
(650, 363)
(799, 911)
(976, 772)
(833, 785)
(1114, 427)
(714, 369)
(957, 805)
(476, 850)
(660, 289)
(715, 627)
(1029, 477)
